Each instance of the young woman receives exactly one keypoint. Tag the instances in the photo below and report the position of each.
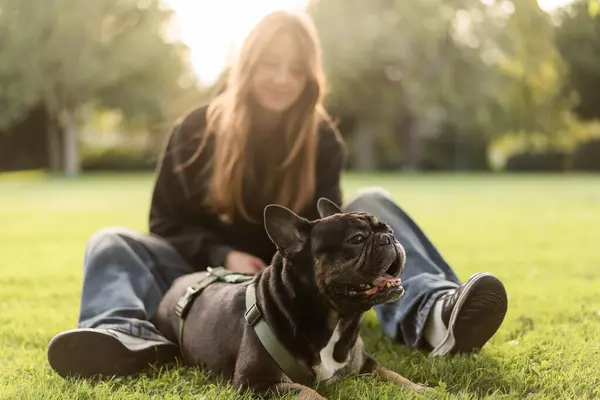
(265, 139)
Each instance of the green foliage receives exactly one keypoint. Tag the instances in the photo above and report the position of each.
(586, 156)
(578, 41)
(540, 161)
(524, 150)
(416, 84)
(533, 73)
(117, 159)
(110, 51)
(480, 69)
(74, 56)
(17, 94)
(593, 8)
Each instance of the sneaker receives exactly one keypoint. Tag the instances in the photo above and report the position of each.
(85, 353)
(464, 319)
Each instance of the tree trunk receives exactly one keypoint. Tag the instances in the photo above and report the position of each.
(414, 146)
(68, 122)
(54, 147)
(364, 146)
(461, 149)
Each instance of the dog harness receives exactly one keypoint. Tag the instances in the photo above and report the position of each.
(212, 275)
(294, 370)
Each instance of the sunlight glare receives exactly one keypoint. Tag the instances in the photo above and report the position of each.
(214, 29)
(550, 5)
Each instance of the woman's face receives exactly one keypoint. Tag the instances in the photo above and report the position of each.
(280, 75)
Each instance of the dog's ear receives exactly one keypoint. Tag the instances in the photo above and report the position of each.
(327, 207)
(288, 231)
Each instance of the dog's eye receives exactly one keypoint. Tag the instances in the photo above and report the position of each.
(357, 239)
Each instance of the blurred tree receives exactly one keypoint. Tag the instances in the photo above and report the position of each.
(533, 75)
(469, 83)
(17, 95)
(593, 8)
(380, 56)
(71, 54)
(403, 70)
(578, 40)
(407, 73)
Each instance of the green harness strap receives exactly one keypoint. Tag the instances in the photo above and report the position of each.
(212, 275)
(296, 371)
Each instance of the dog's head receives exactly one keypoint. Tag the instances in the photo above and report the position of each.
(354, 258)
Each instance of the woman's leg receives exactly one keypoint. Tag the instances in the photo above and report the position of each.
(436, 312)
(126, 274)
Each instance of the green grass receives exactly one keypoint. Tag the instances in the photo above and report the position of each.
(539, 234)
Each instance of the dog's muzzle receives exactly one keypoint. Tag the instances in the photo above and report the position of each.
(386, 284)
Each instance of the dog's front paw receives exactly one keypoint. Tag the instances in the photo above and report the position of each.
(421, 389)
(399, 380)
(302, 392)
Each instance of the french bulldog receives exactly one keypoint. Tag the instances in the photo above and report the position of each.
(324, 276)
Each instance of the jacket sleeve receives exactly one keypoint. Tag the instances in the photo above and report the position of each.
(331, 160)
(176, 212)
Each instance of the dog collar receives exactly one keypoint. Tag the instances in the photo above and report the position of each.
(294, 370)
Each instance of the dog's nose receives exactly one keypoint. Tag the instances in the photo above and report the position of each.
(385, 239)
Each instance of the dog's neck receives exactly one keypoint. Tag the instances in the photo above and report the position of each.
(302, 318)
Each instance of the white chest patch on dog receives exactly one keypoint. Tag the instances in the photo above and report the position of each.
(328, 366)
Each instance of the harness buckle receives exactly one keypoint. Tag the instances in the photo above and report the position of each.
(253, 315)
(183, 305)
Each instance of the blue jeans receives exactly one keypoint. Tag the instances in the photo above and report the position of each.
(126, 273)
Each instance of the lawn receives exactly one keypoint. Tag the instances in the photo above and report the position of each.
(539, 234)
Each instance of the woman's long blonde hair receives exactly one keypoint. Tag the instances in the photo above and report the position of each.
(228, 120)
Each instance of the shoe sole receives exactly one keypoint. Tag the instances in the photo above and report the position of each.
(89, 353)
(476, 317)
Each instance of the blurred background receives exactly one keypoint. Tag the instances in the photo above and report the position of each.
(429, 85)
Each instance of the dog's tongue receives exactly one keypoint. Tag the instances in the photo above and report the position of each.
(380, 281)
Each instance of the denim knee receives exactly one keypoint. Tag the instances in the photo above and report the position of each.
(371, 195)
(106, 243)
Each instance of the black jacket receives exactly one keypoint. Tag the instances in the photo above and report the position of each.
(202, 239)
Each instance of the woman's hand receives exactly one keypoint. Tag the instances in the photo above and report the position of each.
(238, 261)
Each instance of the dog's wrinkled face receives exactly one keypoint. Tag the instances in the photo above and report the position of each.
(356, 258)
